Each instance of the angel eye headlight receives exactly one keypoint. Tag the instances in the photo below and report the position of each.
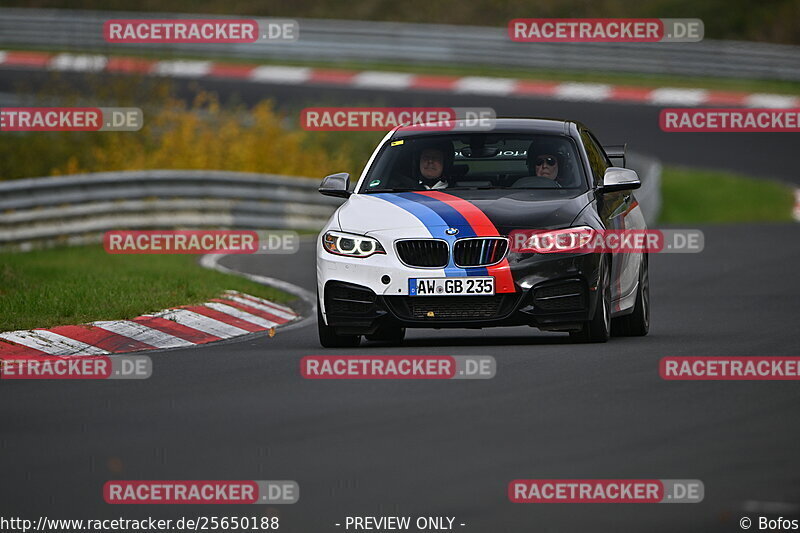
(351, 245)
(347, 246)
(561, 240)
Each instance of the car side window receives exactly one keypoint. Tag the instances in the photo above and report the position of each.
(597, 158)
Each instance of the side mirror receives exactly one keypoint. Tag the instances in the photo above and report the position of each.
(619, 179)
(336, 185)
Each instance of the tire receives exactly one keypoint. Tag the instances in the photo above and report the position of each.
(328, 337)
(637, 324)
(392, 334)
(598, 329)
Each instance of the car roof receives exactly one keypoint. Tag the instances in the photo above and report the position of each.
(502, 125)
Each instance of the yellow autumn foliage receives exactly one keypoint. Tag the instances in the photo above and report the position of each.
(208, 136)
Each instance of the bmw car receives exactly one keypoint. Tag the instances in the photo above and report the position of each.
(423, 239)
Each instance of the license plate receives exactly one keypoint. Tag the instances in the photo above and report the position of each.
(450, 286)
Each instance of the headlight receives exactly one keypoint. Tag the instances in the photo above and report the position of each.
(351, 245)
(554, 241)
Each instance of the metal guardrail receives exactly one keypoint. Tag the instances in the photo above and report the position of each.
(72, 30)
(78, 209)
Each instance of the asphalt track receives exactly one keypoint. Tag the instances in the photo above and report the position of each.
(240, 410)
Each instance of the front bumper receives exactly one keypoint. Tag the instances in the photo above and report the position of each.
(551, 292)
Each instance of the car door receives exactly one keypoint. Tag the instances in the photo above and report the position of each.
(619, 211)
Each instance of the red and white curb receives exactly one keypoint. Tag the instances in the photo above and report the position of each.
(231, 315)
(397, 81)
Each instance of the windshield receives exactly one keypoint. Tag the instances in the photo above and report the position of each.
(476, 161)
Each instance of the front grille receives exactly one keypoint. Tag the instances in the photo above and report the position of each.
(427, 253)
(433, 308)
(479, 252)
(348, 299)
(568, 295)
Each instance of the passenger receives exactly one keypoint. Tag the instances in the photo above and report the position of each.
(546, 166)
(545, 159)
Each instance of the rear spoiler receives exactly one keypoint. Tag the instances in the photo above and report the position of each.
(616, 151)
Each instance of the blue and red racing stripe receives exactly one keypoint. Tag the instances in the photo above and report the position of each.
(438, 211)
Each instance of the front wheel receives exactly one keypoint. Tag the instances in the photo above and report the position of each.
(637, 324)
(328, 337)
(598, 329)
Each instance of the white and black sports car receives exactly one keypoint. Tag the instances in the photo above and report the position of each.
(423, 239)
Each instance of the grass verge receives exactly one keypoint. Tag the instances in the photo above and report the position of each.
(697, 196)
(63, 286)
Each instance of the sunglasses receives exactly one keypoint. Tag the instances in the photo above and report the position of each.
(551, 161)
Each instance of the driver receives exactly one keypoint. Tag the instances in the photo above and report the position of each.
(433, 164)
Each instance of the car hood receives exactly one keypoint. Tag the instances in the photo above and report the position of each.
(468, 211)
